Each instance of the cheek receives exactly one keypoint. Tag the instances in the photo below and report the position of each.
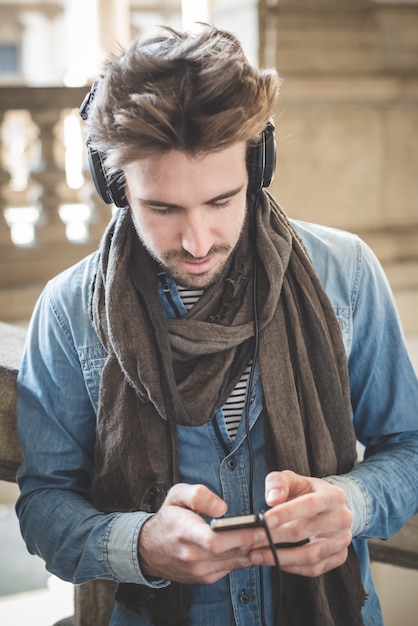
(236, 226)
(156, 234)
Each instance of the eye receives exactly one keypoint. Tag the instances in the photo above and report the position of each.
(221, 204)
(160, 211)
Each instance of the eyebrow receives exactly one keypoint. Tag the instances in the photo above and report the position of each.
(222, 196)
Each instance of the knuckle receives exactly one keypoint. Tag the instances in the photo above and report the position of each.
(329, 563)
(317, 570)
(174, 491)
(348, 517)
(211, 544)
(315, 554)
(339, 494)
(288, 473)
(347, 537)
(186, 554)
(333, 494)
(338, 559)
(294, 533)
(197, 494)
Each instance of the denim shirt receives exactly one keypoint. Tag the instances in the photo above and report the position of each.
(58, 390)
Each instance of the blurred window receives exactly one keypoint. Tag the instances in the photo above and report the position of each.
(9, 59)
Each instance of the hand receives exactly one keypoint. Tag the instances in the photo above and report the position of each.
(302, 508)
(177, 544)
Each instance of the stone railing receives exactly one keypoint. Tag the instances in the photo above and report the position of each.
(47, 221)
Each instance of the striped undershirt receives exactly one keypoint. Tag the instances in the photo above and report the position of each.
(234, 405)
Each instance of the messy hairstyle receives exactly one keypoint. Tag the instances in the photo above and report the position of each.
(191, 92)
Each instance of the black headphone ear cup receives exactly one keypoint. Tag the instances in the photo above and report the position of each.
(261, 161)
(110, 189)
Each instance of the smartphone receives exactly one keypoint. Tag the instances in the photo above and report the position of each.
(235, 523)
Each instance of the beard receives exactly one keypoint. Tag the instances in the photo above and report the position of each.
(191, 281)
(196, 281)
(204, 280)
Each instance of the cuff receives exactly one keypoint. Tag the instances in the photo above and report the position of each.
(120, 550)
(355, 501)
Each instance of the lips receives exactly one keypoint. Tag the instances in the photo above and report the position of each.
(198, 266)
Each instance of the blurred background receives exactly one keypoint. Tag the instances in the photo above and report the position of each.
(347, 135)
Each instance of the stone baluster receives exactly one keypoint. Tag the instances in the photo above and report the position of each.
(49, 175)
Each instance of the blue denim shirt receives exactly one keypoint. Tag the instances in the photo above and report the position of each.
(58, 389)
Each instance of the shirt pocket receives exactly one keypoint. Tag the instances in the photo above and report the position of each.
(344, 320)
(92, 360)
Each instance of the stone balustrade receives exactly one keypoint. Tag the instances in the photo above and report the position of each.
(32, 148)
(346, 131)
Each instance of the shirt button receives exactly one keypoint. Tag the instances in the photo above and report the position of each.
(231, 463)
(243, 596)
(166, 288)
(252, 400)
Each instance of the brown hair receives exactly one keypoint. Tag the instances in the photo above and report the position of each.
(176, 90)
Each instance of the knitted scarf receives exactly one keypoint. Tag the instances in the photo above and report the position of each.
(160, 373)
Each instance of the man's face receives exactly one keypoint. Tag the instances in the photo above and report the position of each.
(189, 211)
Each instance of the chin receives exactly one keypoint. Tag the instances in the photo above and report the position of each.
(196, 281)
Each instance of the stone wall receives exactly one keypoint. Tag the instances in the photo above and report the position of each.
(347, 124)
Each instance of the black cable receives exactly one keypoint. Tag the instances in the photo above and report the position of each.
(249, 388)
(279, 572)
(253, 209)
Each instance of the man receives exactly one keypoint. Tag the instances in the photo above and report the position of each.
(211, 359)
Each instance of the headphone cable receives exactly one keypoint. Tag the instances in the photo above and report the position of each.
(261, 517)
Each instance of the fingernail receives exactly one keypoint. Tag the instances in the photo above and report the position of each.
(273, 495)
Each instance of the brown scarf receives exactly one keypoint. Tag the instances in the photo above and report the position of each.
(161, 372)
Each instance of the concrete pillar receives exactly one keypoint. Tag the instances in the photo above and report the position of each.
(241, 18)
(114, 25)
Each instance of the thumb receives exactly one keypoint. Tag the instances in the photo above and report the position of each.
(276, 488)
(197, 498)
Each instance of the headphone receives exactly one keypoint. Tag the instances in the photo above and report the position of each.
(261, 162)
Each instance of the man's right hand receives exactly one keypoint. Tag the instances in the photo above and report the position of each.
(177, 543)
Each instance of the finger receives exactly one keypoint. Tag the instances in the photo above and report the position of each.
(205, 567)
(318, 567)
(276, 488)
(321, 526)
(310, 505)
(311, 559)
(197, 498)
(236, 542)
(287, 485)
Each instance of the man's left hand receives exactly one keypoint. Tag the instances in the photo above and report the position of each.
(305, 508)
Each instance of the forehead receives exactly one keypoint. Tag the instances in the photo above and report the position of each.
(175, 171)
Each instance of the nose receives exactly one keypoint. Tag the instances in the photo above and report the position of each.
(196, 235)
